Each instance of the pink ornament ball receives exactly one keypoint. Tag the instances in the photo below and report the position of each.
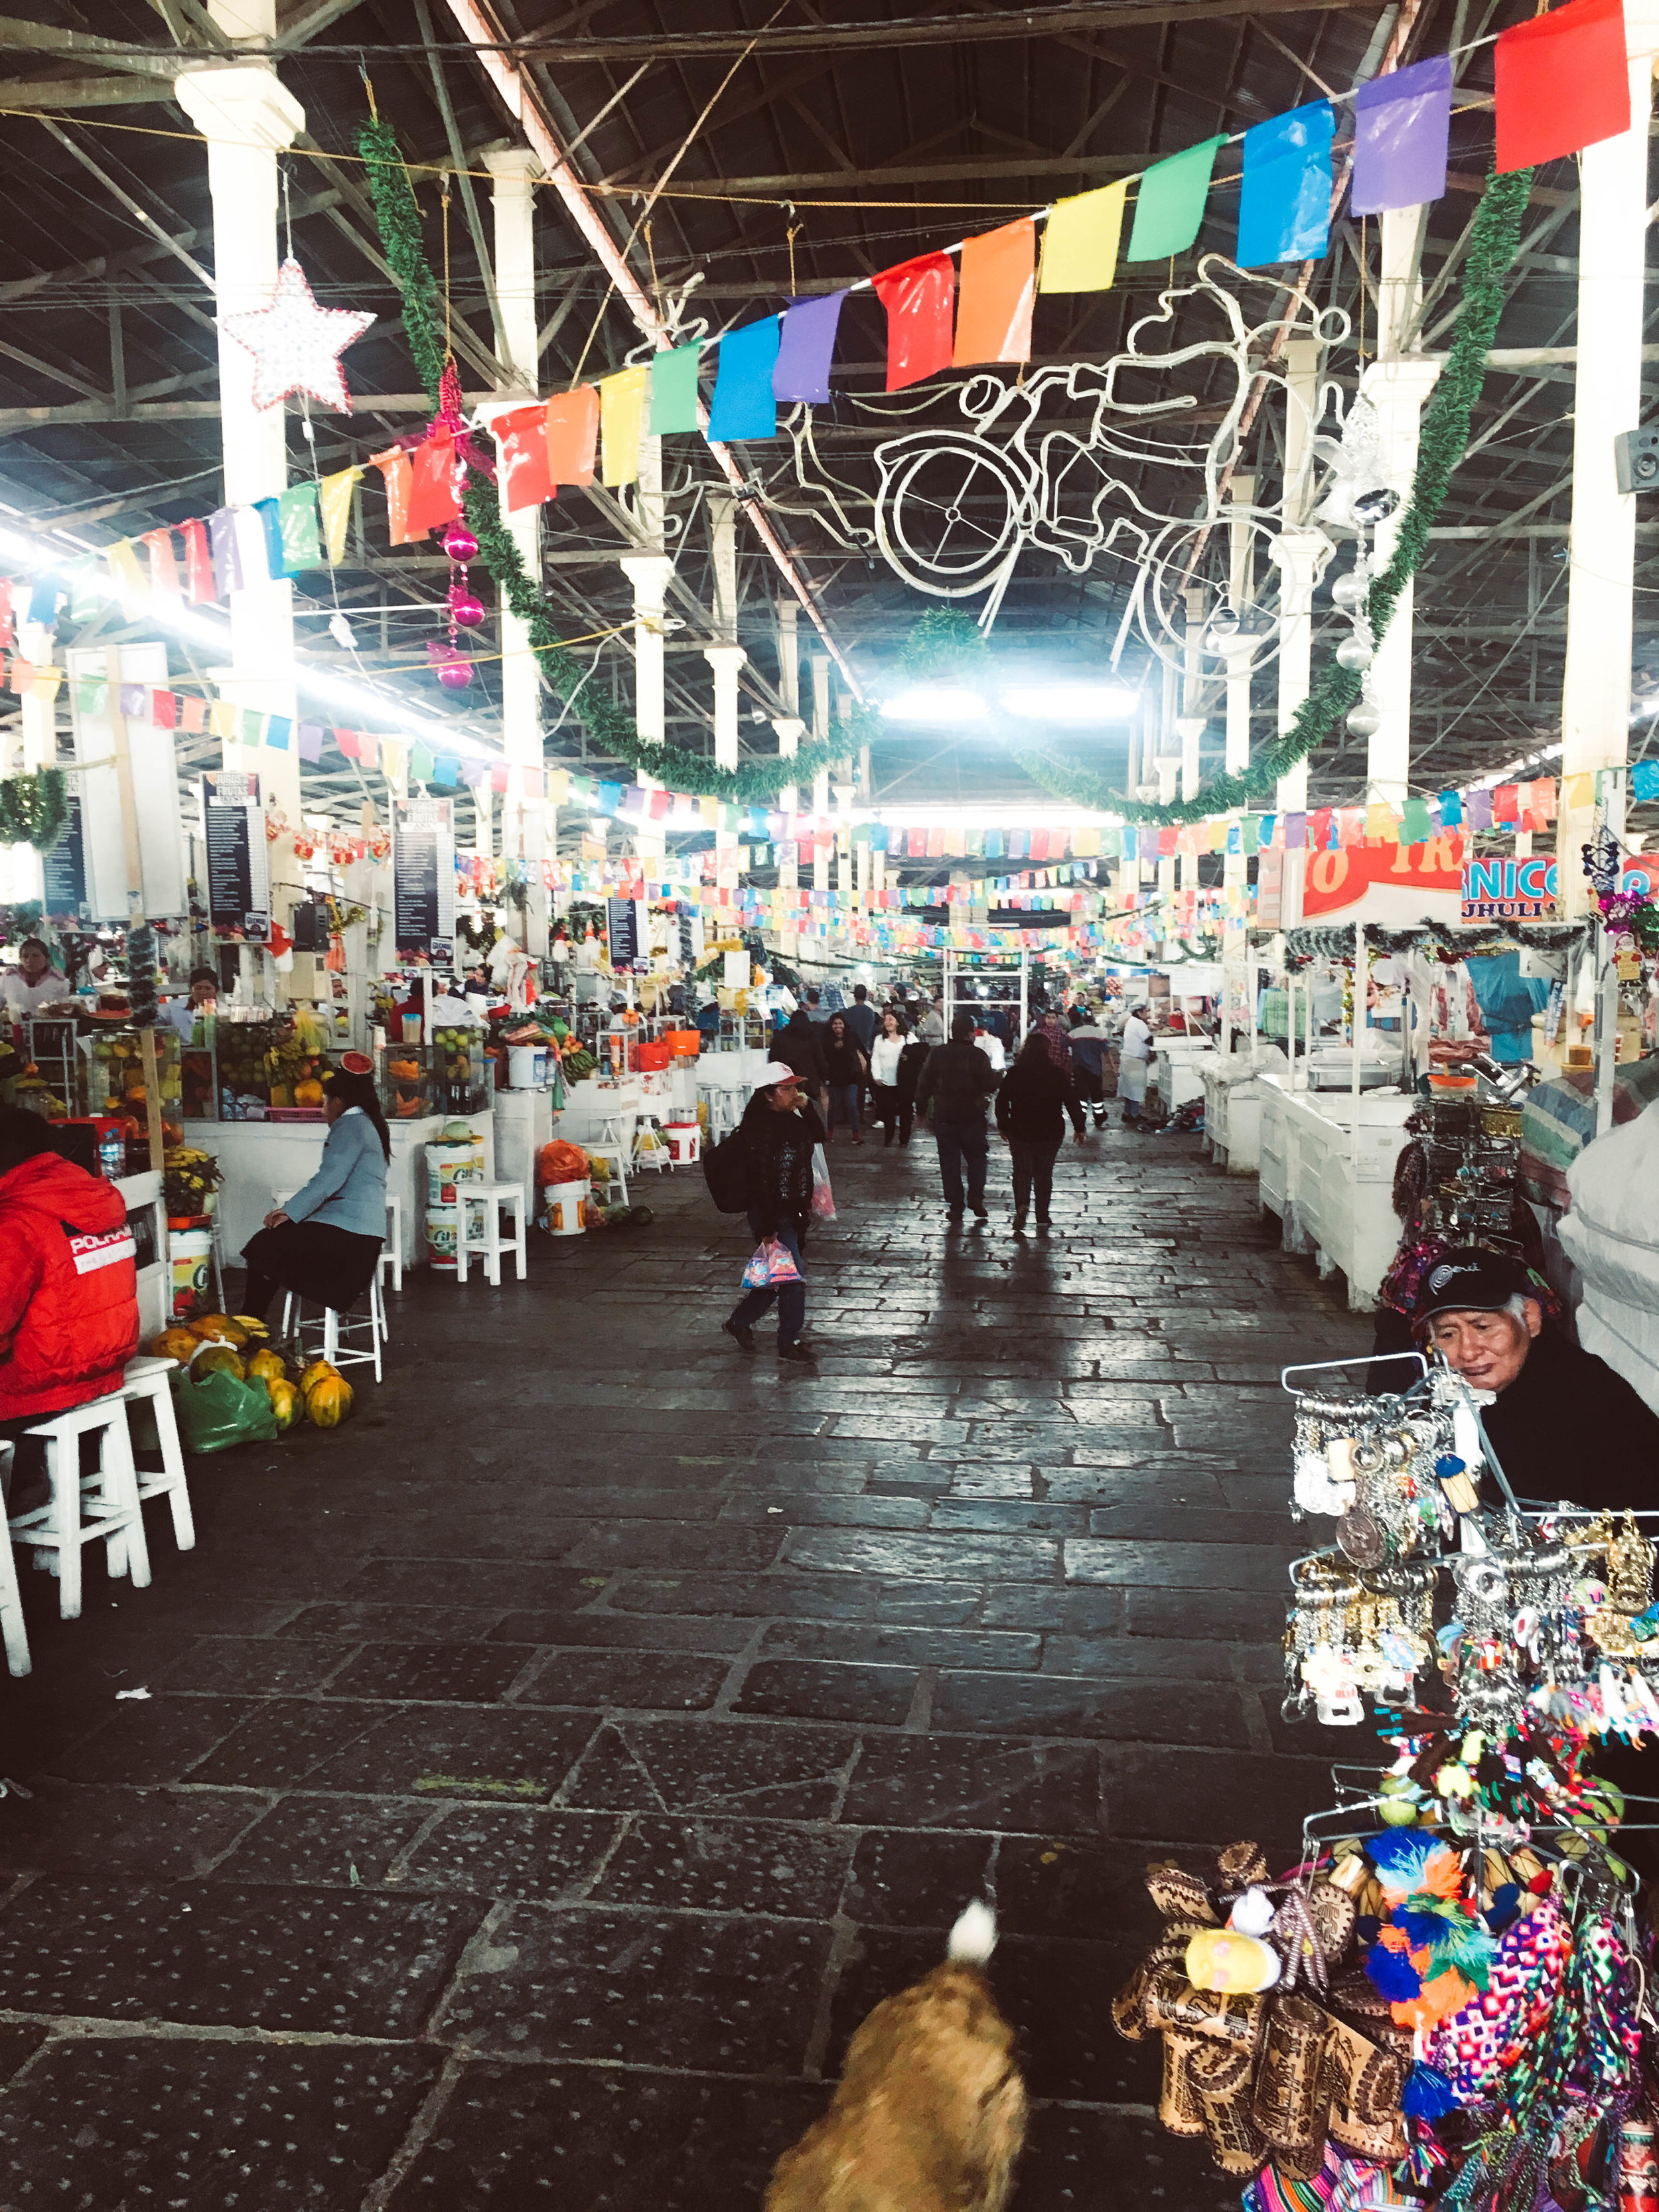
(455, 675)
(467, 610)
(459, 543)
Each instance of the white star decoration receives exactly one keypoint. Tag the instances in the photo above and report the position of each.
(295, 343)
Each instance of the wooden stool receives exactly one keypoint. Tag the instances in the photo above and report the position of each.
(487, 1238)
(339, 1330)
(98, 1508)
(147, 1384)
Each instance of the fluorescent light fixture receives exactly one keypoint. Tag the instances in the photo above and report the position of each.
(934, 702)
(1074, 703)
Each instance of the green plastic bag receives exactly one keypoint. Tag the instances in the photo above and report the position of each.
(218, 1409)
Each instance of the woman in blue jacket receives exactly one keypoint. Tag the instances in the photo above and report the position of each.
(324, 1242)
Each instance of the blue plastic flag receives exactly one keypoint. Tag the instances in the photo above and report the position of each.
(1284, 206)
(743, 405)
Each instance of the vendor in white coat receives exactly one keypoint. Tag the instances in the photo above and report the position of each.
(1133, 1054)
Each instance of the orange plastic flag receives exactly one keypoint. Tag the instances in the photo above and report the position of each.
(998, 283)
(573, 435)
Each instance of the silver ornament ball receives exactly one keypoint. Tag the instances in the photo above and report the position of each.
(1364, 720)
(1354, 653)
(1350, 590)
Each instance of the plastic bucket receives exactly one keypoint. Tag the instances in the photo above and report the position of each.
(654, 1056)
(189, 1250)
(564, 1202)
(450, 1160)
(526, 1067)
(441, 1222)
(684, 1141)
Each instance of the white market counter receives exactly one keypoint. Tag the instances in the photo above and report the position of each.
(1332, 1186)
(1232, 1115)
(1177, 1070)
(260, 1157)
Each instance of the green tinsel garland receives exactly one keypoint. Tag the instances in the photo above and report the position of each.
(1445, 434)
(614, 730)
(33, 809)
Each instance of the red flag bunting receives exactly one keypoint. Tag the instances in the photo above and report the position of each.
(918, 296)
(1563, 84)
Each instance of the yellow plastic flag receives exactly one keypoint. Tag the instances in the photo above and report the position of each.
(45, 684)
(393, 757)
(622, 419)
(558, 786)
(221, 716)
(1382, 825)
(710, 811)
(1579, 791)
(126, 572)
(334, 497)
(1080, 245)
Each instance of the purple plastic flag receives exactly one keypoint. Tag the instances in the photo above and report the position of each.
(1296, 833)
(804, 350)
(310, 741)
(1401, 126)
(227, 554)
(1480, 810)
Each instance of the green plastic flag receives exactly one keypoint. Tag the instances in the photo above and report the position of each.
(674, 391)
(1170, 204)
(296, 518)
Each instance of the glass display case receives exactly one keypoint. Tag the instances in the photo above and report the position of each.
(112, 1074)
(253, 1071)
(449, 1076)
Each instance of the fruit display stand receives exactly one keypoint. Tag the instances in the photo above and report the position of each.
(260, 1157)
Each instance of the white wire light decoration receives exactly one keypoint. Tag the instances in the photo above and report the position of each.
(296, 345)
(954, 510)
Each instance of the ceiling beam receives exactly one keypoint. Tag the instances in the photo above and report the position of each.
(19, 37)
(21, 95)
(297, 25)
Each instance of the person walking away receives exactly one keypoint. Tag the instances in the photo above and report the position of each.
(324, 1242)
(799, 1044)
(68, 1293)
(885, 1054)
(956, 1082)
(846, 1067)
(1133, 1054)
(779, 1129)
(1031, 1108)
(860, 1018)
(912, 1060)
(1088, 1044)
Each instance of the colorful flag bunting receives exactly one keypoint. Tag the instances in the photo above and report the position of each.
(271, 537)
(918, 295)
(1080, 241)
(806, 346)
(674, 391)
(1285, 203)
(1401, 123)
(163, 568)
(1170, 203)
(334, 496)
(1563, 84)
(296, 515)
(573, 435)
(393, 465)
(525, 474)
(621, 424)
(433, 498)
(994, 313)
(744, 405)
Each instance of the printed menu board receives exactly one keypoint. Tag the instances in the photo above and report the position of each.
(238, 863)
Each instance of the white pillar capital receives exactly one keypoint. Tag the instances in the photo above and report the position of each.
(513, 165)
(724, 658)
(247, 104)
(648, 573)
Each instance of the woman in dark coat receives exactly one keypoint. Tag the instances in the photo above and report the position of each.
(1031, 1108)
(779, 1129)
(846, 1065)
(911, 1061)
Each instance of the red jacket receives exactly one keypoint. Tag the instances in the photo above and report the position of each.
(69, 1288)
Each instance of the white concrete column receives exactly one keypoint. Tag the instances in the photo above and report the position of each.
(1297, 555)
(648, 573)
(821, 781)
(515, 170)
(789, 728)
(247, 117)
(726, 660)
(1596, 691)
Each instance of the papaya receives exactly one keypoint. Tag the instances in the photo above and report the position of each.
(218, 1359)
(285, 1401)
(220, 1329)
(329, 1400)
(176, 1343)
(319, 1371)
(266, 1366)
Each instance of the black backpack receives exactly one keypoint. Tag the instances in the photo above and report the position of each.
(726, 1168)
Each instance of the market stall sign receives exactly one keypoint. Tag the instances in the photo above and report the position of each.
(238, 863)
(628, 932)
(1394, 885)
(423, 876)
(1509, 890)
(63, 870)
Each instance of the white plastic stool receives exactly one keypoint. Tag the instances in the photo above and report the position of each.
(650, 1146)
(487, 1238)
(339, 1330)
(147, 1382)
(391, 1253)
(98, 1508)
(611, 1148)
(12, 1632)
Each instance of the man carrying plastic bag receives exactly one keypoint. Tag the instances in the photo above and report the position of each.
(780, 1133)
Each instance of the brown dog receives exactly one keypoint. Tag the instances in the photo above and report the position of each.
(930, 2115)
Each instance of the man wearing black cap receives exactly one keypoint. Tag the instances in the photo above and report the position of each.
(1564, 1423)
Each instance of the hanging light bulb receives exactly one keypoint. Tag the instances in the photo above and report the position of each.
(1221, 628)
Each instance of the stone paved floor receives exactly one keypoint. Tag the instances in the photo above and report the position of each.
(544, 1774)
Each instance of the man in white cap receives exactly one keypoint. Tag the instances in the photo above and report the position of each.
(1134, 1053)
(779, 1129)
